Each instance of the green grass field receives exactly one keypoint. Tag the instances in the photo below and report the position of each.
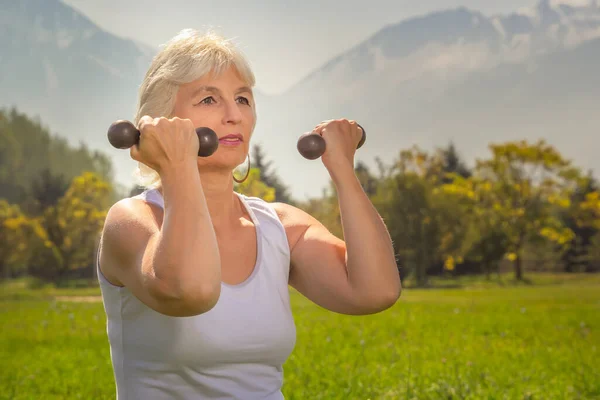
(476, 341)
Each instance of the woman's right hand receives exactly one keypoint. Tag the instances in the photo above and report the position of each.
(165, 143)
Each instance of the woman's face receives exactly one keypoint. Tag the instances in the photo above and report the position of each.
(225, 104)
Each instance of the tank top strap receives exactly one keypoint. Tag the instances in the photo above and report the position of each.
(151, 196)
(259, 206)
(266, 216)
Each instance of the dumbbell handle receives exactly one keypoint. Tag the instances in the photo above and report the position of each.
(312, 146)
(123, 134)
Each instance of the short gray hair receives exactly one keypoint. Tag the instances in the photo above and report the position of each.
(188, 56)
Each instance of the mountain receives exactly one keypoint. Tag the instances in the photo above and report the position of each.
(454, 74)
(58, 65)
(77, 78)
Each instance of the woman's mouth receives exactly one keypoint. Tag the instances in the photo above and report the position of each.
(231, 140)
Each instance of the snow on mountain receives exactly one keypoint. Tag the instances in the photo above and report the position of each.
(455, 75)
(449, 75)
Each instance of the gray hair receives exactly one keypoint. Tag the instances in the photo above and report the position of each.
(188, 56)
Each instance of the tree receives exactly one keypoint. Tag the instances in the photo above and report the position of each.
(588, 218)
(425, 223)
(68, 230)
(10, 162)
(268, 176)
(253, 186)
(27, 150)
(14, 231)
(521, 187)
(589, 214)
(46, 190)
(580, 218)
(485, 241)
(452, 163)
(367, 180)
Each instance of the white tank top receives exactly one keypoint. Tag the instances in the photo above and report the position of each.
(234, 351)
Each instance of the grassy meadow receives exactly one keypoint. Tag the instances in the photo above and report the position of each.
(471, 340)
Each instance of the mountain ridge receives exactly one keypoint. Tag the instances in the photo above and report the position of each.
(419, 81)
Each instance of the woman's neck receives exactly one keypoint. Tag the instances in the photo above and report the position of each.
(222, 202)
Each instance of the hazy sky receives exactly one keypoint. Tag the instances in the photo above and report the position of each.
(284, 40)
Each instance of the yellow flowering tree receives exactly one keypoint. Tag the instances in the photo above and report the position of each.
(484, 241)
(70, 229)
(589, 212)
(253, 186)
(14, 241)
(516, 194)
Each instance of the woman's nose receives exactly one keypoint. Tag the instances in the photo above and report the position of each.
(233, 115)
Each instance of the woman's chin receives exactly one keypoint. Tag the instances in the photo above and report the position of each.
(227, 162)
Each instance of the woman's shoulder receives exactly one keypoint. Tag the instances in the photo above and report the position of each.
(129, 216)
(292, 216)
(293, 220)
(282, 211)
(143, 206)
(128, 226)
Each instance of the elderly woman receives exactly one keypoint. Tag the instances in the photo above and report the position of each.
(195, 276)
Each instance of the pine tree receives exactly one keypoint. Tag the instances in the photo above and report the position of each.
(453, 163)
(269, 176)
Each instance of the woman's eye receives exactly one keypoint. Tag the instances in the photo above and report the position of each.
(208, 100)
(244, 100)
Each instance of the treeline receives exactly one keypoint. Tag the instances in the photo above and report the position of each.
(525, 207)
(31, 157)
(53, 199)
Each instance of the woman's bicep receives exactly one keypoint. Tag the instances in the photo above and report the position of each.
(318, 262)
(126, 250)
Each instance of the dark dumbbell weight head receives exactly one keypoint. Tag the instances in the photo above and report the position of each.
(123, 134)
(312, 146)
(209, 141)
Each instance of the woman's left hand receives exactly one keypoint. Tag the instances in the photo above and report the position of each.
(341, 138)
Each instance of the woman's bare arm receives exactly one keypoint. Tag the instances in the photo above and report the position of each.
(356, 276)
(173, 265)
(170, 261)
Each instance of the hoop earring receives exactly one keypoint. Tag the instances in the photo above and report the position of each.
(247, 173)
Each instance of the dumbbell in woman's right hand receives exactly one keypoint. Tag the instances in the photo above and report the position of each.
(173, 137)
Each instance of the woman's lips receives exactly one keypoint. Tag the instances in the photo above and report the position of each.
(231, 140)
